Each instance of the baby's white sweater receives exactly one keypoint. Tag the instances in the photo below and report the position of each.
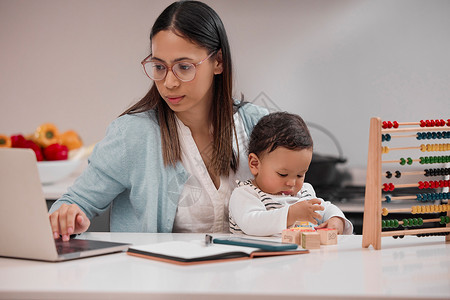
(254, 212)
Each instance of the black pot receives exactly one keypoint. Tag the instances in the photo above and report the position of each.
(323, 170)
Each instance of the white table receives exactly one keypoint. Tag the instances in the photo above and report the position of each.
(409, 268)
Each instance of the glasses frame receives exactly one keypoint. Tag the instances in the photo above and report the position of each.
(169, 68)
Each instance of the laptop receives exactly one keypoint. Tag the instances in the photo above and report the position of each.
(25, 230)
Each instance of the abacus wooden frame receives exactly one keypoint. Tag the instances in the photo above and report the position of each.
(372, 231)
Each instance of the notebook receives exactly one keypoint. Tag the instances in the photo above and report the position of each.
(197, 252)
(25, 230)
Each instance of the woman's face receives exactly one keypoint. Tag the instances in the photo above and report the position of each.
(194, 96)
(281, 171)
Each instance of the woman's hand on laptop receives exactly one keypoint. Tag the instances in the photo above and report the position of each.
(68, 220)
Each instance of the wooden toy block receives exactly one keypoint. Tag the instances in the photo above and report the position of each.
(303, 224)
(328, 236)
(310, 240)
(290, 236)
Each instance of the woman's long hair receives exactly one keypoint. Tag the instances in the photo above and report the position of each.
(201, 25)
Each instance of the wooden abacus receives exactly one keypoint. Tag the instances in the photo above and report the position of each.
(373, 224)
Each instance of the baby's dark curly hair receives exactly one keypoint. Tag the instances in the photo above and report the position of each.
(279, 129)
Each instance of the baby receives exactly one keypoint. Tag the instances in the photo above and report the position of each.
(280, 152)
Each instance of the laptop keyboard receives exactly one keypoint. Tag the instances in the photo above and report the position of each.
(71, 246)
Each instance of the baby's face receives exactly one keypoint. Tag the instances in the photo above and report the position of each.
(282, 171)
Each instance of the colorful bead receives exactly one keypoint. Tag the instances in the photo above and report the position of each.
(388, 174)
(398, 174)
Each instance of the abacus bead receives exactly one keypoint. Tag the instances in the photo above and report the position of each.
(405, 222)
(410, 161)
(384, 125)
(395, 123)
(396, 223)
(420, 223)
(388, 137)
(391, 187)
(398, 174)
(402, 161)
(383, 223)
(388, 199)
(423, 124)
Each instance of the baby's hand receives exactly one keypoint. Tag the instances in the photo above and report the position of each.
(304, 211)
(334, 223)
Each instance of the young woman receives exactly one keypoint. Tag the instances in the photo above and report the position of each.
(169, 163)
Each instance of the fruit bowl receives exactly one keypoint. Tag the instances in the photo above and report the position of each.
(53, 171)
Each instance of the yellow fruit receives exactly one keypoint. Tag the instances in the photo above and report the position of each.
(70, 139)
(46, 134)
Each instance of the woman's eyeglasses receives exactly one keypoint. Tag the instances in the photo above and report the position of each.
(184, 71)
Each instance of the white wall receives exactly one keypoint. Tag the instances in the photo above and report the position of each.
(336, 63)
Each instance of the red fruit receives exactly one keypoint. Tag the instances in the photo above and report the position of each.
(37, 150)
(18, 141)
(56, 152)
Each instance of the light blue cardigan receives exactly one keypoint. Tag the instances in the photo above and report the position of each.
(126, 170)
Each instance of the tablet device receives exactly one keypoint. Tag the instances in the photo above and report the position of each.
(267, 245)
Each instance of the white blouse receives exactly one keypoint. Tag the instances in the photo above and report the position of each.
(202, 207)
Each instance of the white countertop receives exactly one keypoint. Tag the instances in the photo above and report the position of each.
(409, 268)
